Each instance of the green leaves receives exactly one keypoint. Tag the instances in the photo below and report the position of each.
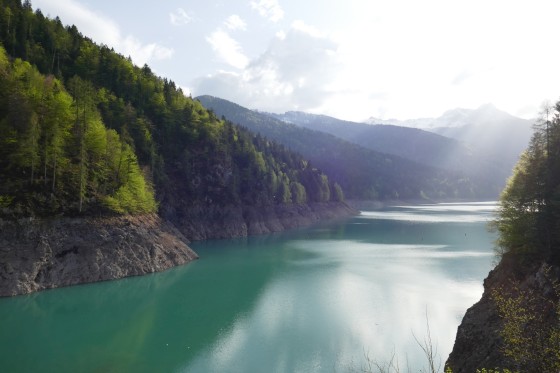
(530, 325)
(529, 214)
(56, 154)
(88, 138)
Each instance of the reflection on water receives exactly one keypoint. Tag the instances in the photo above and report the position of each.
(311, 300)
(439, 213)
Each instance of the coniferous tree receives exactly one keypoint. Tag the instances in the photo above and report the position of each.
(529, 214)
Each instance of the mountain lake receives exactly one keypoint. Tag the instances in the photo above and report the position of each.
(334, 297)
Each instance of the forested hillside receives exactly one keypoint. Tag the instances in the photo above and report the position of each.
(362, 173)
(516, 324)
(488, 172)
(529, 219)
(55, 152)
(84, 130)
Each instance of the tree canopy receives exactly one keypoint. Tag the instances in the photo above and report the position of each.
(83, 129)
(529, 214)
(55, 152)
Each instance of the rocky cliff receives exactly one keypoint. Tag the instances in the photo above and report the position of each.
(208, 222)
(479, 343)
(37, 254)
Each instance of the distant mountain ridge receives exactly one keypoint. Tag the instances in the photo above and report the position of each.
(490, 132)
(363, 173)
(416, 144)
(487, 113)
(411, 143)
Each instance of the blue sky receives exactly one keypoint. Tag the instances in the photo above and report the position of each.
(351, 59)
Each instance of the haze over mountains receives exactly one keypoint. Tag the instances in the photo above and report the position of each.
(462, 141)
(472, 142)
(490, 132)
(359, 156)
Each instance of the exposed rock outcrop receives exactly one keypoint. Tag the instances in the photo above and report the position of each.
(209, 222)
(37, 254)
(478, 343)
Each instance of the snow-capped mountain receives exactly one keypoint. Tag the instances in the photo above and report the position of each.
(489, 131)
(485, 115)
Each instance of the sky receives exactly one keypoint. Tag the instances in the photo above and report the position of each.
(350, 59)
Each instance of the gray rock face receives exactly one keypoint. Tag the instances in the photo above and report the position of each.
(210, 222)
(37, 254)
(42, 254)
(478, 343)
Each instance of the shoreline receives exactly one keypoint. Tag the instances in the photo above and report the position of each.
(45, 253)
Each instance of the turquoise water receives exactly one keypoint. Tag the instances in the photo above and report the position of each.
(313, 300)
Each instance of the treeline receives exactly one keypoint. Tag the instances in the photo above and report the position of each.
(529, 216)
(362, 173)
(528, 224)
(55, 152)
(83, 128)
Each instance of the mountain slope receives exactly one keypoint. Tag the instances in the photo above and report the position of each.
(80, 128)
(414, 144)
(363, 173)
(483, 130)
(516, 323)
(91, 146)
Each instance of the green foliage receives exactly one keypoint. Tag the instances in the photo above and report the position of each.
(80, 144)
(338, 193)
(531, 327)
(362, 173)
(56, 154)
(528, 223)
(529, 214)
(298, 193)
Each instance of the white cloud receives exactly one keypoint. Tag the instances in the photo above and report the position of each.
(102, 29)
(269, 9)
(144, 52)
(294, 73)
(307, 29)
(420, 63)
(234, 22)
(228, 49)
(180, 17)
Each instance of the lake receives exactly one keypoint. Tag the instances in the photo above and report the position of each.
(320, 299)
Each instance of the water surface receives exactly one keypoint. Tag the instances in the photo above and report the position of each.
(313, 300)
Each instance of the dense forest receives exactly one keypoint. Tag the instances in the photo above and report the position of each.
(528, 223)
(529, 216)
(85, 130)
(362, 173)
(487, 171)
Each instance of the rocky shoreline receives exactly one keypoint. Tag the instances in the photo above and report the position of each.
(38, 254)
(216, 222)
(478, 343)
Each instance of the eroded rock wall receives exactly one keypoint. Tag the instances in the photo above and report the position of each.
(37, 254)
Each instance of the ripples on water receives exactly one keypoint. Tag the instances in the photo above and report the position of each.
(310, 300)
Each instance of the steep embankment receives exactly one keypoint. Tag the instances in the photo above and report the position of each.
(479, 343)
(38, 254)
(100, 136)
(207, 222)
(41, 254)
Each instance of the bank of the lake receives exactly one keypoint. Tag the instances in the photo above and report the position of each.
(307, 300)
(45, 253)
(39, 254)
